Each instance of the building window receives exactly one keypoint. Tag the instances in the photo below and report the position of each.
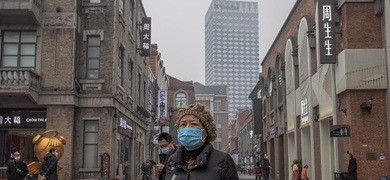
(139, 88)
(130, 77)
(217, 105)
(93, 59)
(206, 104)
(120, 66)
(131, 15)
(180, 100)
(145, 94)
(91, 130)
(217, 118)
(94, 1)
(121, 5)
(19, 49)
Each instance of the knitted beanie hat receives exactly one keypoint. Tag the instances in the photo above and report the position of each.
(203, 115)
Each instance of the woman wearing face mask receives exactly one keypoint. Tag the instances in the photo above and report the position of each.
(48, 169)
(196, 158)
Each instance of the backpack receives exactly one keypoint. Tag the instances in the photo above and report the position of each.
(257, 170)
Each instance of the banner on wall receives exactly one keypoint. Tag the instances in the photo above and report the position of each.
(162, 104)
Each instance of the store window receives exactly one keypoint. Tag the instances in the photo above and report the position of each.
(19, 48)
(91, 130)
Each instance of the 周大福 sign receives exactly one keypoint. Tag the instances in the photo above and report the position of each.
(12, 120)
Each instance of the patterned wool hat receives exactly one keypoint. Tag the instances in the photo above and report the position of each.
(203, 115)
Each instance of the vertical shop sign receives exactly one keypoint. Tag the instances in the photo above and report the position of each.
(326, 24)
(162, 103)
(146, 35)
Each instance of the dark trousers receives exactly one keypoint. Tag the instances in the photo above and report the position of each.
(266, 176)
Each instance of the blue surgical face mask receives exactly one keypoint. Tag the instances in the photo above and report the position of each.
(165, 150)
(190, 138)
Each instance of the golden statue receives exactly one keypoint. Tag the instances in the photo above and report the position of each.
(42, 144)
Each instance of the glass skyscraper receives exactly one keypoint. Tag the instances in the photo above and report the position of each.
(232, 49)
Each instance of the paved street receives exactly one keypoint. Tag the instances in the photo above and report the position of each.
(246, 177)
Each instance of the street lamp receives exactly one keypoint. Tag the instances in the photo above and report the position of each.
(161, 119)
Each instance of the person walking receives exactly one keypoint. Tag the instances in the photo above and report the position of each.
(167, 148)
(48, 168)
(352, 168)
(257, 171)
(196, 159)
(248, 168)
(295, 170)
(17, 169)
(304, 173)
(265, 167)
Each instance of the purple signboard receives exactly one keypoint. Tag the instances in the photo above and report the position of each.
(326, 27)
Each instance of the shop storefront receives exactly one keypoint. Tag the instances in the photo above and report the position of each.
(17, 129)
(124, 147)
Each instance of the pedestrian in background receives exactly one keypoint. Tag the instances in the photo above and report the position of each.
(167, 148)
(257, 171)
(17, 169)
(48, 168)
(352, 168)
(196, 158)
(295, 170)
(248, 168)
(304, 173)
(265, 167)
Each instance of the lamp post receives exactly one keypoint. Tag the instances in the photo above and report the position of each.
(161, 118)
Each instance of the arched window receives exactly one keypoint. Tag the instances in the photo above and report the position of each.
(180, 100)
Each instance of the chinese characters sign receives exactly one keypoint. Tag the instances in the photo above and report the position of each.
(146, 29)
(304, 112)
(162, 101)
(326, 24)
(12, 120)
(125, 125)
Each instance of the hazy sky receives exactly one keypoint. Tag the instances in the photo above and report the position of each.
(178, 29)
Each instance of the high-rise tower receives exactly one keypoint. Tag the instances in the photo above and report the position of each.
(232, 49)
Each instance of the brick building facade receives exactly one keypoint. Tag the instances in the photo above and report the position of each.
(214, 98)
(77, 64)
(306, 100)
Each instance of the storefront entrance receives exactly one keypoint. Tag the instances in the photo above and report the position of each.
(17, 129)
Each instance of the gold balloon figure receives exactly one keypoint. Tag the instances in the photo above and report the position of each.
(42, 144)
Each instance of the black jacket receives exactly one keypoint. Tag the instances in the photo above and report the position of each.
(163, 160)
(352, 167)
(17, 170)
(265, 166)
(210, 164)
(49, 167)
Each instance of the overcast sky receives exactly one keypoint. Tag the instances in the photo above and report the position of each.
(178, 29)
